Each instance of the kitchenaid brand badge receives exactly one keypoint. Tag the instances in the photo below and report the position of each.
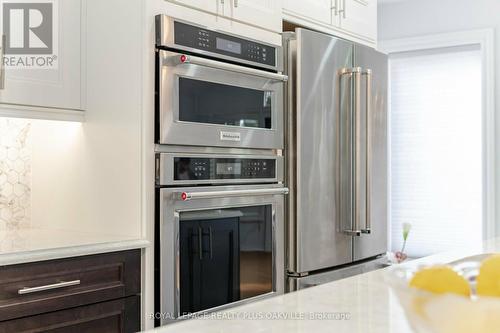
(230, 136)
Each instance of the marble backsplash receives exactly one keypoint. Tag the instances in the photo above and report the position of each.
(15, 173)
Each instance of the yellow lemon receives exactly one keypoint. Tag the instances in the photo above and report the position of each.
(488, 280)
(440, 280)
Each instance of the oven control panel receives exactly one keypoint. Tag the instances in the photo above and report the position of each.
(214, 168)
(217, 43)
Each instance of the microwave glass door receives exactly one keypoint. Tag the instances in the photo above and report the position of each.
(225, 256)
(221, 104)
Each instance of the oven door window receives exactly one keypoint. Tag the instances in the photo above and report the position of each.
(225, 256)
(220, 104)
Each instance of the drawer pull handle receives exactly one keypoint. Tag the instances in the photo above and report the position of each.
(27, 290)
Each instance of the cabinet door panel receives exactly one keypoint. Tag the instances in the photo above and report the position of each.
(360, 17)
(261, 13)
(205, 5)
(101, 277)
(118, 316)
(58, 87)
(316, 10)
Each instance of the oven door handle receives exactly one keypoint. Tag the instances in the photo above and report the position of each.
(186, 196)
(181, 59)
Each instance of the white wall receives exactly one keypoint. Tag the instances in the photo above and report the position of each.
(425, 17)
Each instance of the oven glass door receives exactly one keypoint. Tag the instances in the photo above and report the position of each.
(225, 256)
(209, 106)
(222, 247)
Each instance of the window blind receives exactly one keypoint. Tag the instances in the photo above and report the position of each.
(436, 148)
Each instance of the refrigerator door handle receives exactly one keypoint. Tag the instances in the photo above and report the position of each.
(355, 146)
(369, 77)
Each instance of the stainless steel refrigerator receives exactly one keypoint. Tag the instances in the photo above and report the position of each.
(336, 155)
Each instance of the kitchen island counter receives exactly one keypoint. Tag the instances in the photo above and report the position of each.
(363, 303)
(19, 246)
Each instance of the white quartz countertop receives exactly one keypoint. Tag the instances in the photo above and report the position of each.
(363, 303)
(36, 244)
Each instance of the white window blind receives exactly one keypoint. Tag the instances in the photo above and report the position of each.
(436, 148)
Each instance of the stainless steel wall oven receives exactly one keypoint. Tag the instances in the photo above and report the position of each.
(220, 231)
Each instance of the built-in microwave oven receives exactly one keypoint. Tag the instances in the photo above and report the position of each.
(216, 89)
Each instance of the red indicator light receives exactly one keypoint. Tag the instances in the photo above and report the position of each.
(183, 58)
(184, 196)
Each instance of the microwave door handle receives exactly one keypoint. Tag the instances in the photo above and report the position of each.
(181, 59)
(186, 196)
(369, 80)
(355, 74)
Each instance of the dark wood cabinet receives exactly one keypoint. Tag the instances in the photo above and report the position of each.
(96, 293)
(119, 315)
(209, 263)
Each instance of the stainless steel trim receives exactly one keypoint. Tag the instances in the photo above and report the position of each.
(166, 167)
(274, 252)
(186, 196)
(181, 59)
(30, 290)
(290, 43)
(2, 64)
(217, 150)
(166, 292)
(165, 37)
(369, 76)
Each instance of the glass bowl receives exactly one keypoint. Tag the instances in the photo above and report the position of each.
(446, 313)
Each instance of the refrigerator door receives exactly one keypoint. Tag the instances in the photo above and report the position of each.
(374, 66)
(316, 238)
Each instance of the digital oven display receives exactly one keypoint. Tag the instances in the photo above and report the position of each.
(229, 168)
(227, 45)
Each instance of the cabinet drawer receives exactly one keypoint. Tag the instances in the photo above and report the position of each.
(117, 316)
(34, 288)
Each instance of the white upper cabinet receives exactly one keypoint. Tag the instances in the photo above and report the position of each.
(264, 14)
(359, 17)
(351, 19)
(210, 6)
(44, 67)
(316, 10)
